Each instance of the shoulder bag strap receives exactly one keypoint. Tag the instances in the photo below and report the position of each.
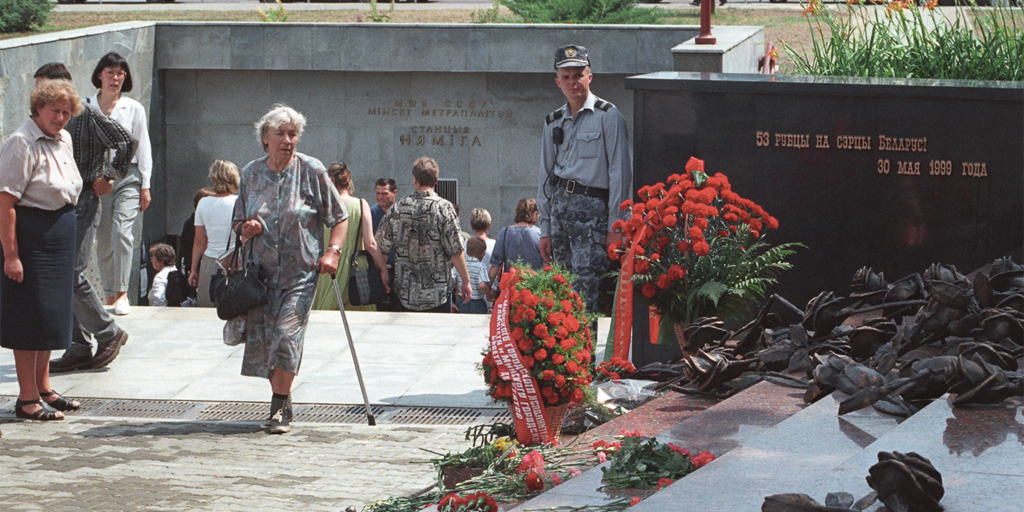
(504, 249)
(354, 261)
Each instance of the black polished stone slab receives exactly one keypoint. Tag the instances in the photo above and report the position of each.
(891, 174)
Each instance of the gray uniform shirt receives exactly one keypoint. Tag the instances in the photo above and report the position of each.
(594, 152)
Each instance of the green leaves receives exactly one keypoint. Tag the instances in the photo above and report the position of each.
(913, 42)
(22, 15)
(582, 11)
(641, 462)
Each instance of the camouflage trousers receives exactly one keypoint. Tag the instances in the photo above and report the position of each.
(579, 227)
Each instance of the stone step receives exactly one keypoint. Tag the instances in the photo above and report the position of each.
(719, 429)
(781, 459)
(978, 450)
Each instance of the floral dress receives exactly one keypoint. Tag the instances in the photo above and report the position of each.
(293, 205)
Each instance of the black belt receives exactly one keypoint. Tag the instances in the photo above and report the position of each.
(573, 187)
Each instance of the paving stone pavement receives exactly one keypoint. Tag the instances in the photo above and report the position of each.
(137, 465)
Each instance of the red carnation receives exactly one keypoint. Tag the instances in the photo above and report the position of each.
(548, 374)
(540, 330)
(701, 248)
(534, 482)
(557, 358)
(702, 459)
(676, 272)
(649, 290)
(540, 354)
(664, 281)
(560, 381)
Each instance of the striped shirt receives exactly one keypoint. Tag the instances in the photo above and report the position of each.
(92, 135)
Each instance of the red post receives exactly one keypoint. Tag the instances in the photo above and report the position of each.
(705, 36)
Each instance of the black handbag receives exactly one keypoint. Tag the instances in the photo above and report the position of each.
(365, 287)
(242, 290)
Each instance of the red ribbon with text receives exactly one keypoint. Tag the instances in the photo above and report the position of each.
(624, 302)
(531, 425)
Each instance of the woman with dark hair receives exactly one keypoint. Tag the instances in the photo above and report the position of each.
(359, 237)
(284, 202)
(115, 239)
(39, 187)
(520, 240)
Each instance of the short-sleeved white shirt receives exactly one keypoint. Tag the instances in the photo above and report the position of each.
(214, 214)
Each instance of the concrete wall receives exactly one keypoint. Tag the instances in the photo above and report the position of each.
(377, 96)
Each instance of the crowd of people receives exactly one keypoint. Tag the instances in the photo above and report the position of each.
(62, 190)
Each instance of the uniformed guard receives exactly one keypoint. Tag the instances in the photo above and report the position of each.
(586, 173)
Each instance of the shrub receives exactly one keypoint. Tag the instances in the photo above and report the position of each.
(583, 11)
(22, 15)
(905, 41)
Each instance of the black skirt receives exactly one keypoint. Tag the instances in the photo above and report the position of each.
(36, 313)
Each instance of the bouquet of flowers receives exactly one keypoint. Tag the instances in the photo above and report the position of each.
(614, 368)
(697, 248)
(551, 331)
(644, 463)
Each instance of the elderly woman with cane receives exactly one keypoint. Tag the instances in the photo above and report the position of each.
(283, 203)
(39, 187)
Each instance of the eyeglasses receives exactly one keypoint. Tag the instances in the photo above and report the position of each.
(112, 73)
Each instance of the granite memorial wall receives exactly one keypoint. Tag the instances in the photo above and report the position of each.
(890, 174)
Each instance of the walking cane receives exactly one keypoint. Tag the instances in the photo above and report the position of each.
(352, 348)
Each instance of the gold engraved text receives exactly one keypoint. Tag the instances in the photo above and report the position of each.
(903, 144)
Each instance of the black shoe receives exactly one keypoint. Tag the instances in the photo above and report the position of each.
(280, 415)
(70, 362)
(106, 352)
(695, 2)
(273, 409)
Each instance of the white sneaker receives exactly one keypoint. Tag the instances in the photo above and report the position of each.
(121, 307)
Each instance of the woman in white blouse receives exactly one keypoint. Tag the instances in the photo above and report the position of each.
(39, 187)
(115, 239)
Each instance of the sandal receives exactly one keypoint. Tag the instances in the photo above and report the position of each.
(40, 415)
(60, 403)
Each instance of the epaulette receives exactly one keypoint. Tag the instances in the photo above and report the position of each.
(554, 116)
(603, 105)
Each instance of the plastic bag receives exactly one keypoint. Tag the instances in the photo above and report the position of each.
(234, 331)
(628, 393)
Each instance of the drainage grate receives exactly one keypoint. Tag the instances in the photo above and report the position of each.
(325, 413)
(436, 416)
(257, 411)
(162, 409)
(234, 411)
